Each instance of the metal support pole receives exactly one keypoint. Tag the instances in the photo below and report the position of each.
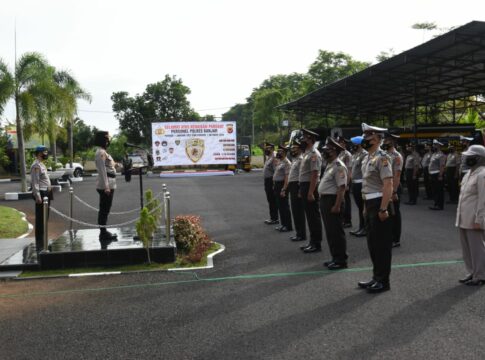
(45, 211)
(71, 203)
(167, 216)
(141, 187)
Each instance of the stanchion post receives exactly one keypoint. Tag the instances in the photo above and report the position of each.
(167, 216)
(45, 211)
(71, 198)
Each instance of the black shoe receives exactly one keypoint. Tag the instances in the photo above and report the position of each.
(410, 203)
(396, 244)
(466, 279)
(329, 262)
(362, 233)
(277, 228)
(108, 236)
(305, 246)
(378, 287)
(435, 208)
(337, 266)
(347, 225)
(312, 249)
(475, 282)
(284, 229)
(355, 232)
(271, 222)
(366, 284)
(297, 238)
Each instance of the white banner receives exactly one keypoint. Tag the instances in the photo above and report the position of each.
(194, 143)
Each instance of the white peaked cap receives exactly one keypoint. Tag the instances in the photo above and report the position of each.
(477, 150)
(465, 138)
(436, 142)
(366, 127)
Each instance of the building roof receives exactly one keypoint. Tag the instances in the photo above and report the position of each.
(450, 66)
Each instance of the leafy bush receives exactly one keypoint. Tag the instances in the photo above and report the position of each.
(145, 227)
(191, 239)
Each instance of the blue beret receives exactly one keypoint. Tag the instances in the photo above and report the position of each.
(357, 140)
(40, 148)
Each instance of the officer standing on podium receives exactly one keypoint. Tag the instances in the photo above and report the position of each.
(309, 173)
(41, 187)
(268, 172)
(377, 193)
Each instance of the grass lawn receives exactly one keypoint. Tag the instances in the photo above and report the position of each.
(11, 223)
(128, 268)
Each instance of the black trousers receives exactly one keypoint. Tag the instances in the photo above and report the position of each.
(427, 183)
(379, 241)
(347, 208)
(297, 209)
(396, 217)
(452, 183)
(412, 185)
(438, 190)
(357, 192)
(334, 229)
(268, 188)
(39, 221)
(282, 205)
(312, 213)
(105, 201)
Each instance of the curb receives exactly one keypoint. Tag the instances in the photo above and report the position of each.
(31, 227)
(9, 180)
(210, 265)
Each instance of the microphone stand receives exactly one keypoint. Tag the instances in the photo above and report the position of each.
(140, 170)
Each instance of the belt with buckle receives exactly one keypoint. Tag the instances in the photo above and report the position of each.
(358, 181)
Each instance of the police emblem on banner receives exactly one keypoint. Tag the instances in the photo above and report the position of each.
(177, 142)
(194, 148)
(229, 128)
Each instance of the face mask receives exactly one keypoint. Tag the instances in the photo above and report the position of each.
(294, 153)
(267, 152)
(303, 145)
(327, 154)
(45, 156)
(386, 146)
(471, 161)
(366, 144)
(279, 156)
(433, 149)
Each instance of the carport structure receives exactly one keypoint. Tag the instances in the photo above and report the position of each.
(443, 75)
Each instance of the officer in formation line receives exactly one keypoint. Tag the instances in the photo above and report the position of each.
(346, 157)
(357, 158)
(426, 177)
(465, 144)
(310, 167)
(411, 169)
(297, 209)
(41, 187)
(452, 169)
(389, 146)
(280, 180)
(332, 189)
(268, 172)
(436, 172)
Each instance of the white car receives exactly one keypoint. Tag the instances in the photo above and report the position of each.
(77, 169)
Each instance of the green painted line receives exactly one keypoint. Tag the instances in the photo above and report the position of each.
(227, 278)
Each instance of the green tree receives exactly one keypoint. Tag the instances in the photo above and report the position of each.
(330, 67)
(265, 115)
(384, 55)
(163, 101)
(4, 160)
(29, 87)
(145, 227)
(242, 114)
(83, 136)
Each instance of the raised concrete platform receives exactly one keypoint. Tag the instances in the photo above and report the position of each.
(82, 248)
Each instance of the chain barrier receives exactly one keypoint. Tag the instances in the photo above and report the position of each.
(117, 212)
(61, 214)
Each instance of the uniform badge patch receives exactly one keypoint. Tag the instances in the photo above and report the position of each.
(385, 162)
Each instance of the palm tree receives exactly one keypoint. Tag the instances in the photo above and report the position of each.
(69, 91)
(27, 85)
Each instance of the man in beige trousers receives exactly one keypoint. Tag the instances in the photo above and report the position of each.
(470, 216)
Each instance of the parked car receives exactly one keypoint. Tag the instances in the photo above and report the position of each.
(78, 169)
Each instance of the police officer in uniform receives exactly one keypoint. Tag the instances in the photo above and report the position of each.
(297, 210)
(425, 166)
(41, 187)
(280, 180)
(436, 172)
(309, 173)
(377, 192)
(389, 146)
(332, 191)
(357, 157)
(346, 157)
(411, 169)
(268, 172)
(105, 184)
(452, 168)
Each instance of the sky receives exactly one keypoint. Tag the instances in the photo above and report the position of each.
(221, 49)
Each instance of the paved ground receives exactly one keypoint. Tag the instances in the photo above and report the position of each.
(263, 300)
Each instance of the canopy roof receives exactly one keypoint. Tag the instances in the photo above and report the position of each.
(451, 66)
